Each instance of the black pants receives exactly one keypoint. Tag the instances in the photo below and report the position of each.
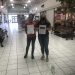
(1, 41)
(44, 41)
(29, 40)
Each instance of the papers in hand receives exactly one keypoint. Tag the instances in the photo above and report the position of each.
(42, 29)
(30, 29)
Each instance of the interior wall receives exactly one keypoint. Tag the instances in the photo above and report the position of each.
(49, 4)
(50, 16)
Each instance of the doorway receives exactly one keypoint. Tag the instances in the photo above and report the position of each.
(12, 18)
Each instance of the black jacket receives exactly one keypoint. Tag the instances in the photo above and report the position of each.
(44, 21)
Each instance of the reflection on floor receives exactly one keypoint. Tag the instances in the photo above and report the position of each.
(61, 58)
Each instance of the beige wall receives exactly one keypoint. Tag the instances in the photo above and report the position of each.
(50, 16)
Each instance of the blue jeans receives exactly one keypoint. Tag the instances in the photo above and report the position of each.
(44, 41)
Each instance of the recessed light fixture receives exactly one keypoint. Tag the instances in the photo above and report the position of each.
(12, 4)
(24, 7)
(36, 8)
(29, 1)
(11, 0)
(2, 6)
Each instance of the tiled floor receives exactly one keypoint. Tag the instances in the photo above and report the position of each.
(61, 58)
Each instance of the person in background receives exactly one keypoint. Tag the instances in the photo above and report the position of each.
(3, 33)
(44, 38)
(1, 37)
(30, 37)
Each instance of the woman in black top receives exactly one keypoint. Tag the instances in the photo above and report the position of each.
(44, 37)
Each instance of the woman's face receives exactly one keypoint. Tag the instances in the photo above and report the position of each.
(43, 15)
(30, 18)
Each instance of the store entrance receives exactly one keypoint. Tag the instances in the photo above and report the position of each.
(12, 18)
(16, 21)
(13, 24)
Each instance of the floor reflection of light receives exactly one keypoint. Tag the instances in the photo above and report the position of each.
(13, 27)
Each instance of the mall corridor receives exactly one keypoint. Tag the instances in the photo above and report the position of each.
(12, 62)
(51, 23)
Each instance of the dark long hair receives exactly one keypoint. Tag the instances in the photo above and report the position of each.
(43, 19)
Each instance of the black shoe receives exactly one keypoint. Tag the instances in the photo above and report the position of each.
(42, 57)
(47, 59)
(32, 57)
(2, 45)
(25, 56)
(7, 36)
